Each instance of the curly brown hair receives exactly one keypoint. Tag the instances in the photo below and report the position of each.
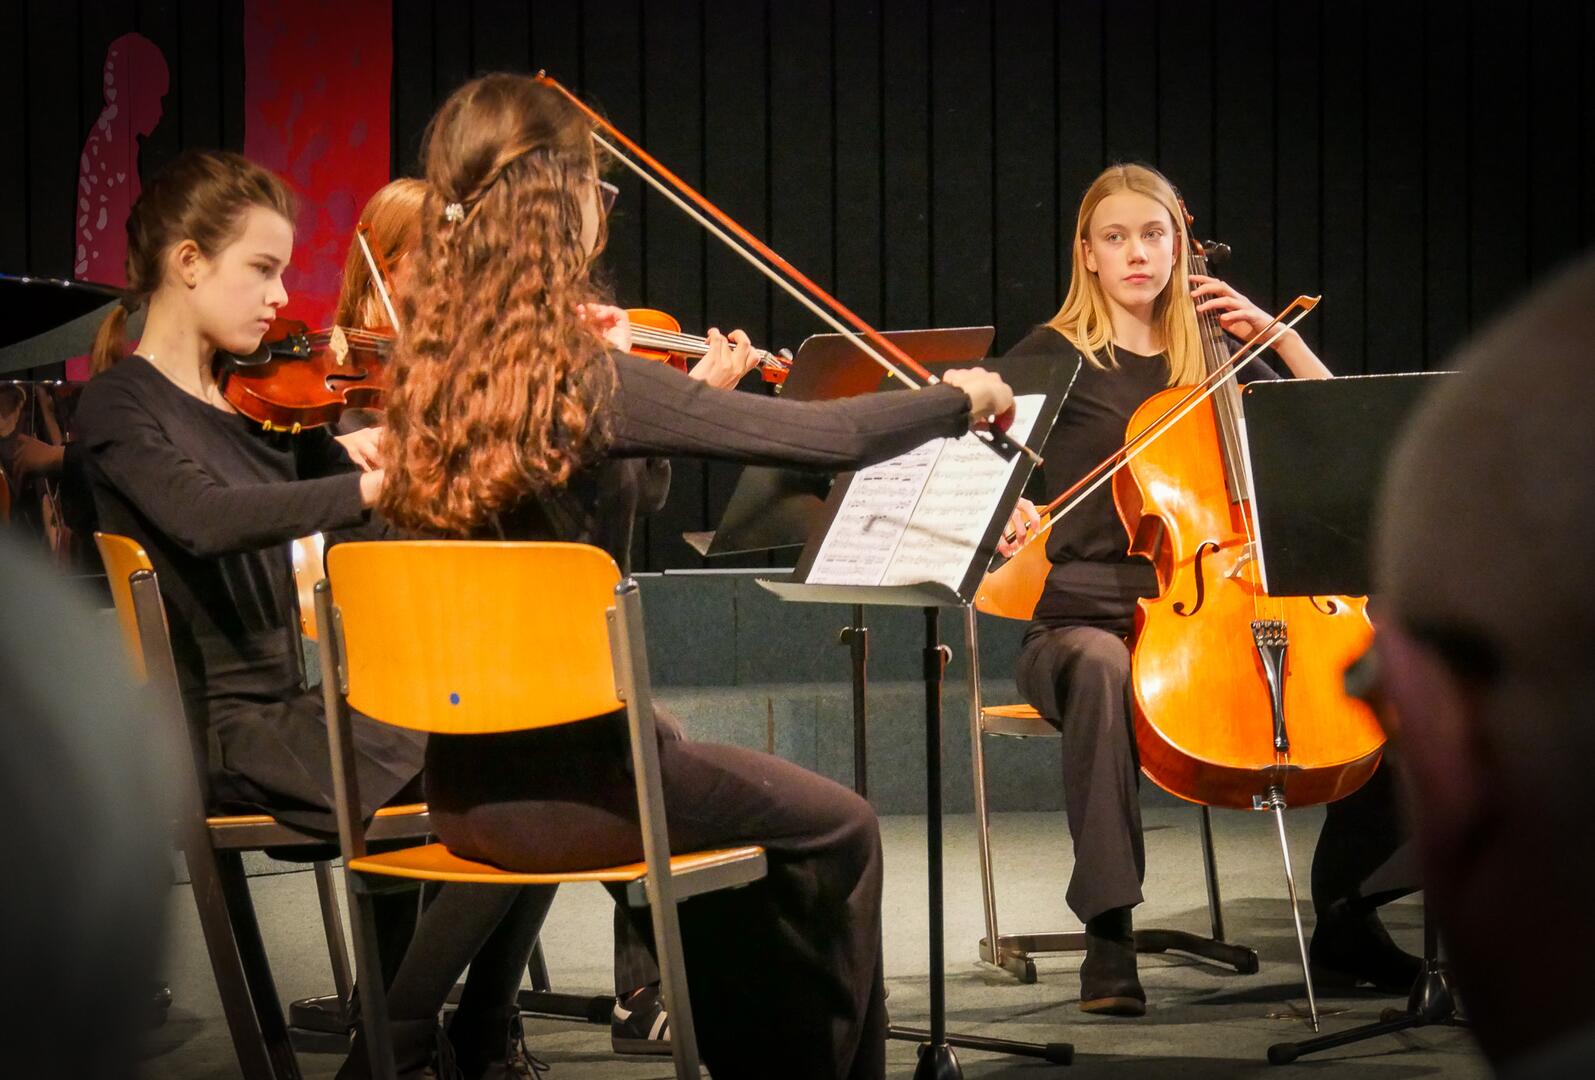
(498, 382)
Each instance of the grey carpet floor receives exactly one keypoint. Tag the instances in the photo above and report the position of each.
(1202, 1022)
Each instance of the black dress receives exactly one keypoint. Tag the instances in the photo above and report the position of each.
(215, 501)
(785, 975)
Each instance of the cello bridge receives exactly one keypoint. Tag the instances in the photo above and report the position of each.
(1248, 554)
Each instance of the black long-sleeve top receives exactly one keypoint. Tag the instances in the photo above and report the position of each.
(658, 411)
(214, 500)
(1094, 579)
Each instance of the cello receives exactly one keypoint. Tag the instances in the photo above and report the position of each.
(1238, 696)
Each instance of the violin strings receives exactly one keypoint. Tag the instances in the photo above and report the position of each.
(651, 337)
(1226, 407)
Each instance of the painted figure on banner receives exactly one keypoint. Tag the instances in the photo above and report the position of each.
(135, 82)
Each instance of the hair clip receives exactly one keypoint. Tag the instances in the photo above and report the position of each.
(454, 213)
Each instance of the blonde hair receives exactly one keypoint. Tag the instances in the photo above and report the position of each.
(394, 217)
(1085, 318)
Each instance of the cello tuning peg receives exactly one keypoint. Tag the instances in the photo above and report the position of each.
(784, 354)
(1217, 252)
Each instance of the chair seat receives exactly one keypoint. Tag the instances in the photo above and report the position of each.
(1018, 721)
(242, 831)
(698, 871)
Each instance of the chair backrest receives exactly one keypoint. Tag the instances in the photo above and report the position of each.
(307, 552)
(123, 557)
(1014, 588)
(470, 637)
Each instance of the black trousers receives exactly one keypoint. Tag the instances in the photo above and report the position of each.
(785, 974)
(1078, 677)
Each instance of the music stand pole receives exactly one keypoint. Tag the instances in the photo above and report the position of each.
(1429, 1004)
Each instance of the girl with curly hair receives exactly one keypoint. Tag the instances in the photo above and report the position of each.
(512, 416)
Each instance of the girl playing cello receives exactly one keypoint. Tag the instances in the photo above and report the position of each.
(1131, 316)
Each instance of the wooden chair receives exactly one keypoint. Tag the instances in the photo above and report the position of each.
(477, 638)
(1011, 592)
(213, 846)
(334, 1014)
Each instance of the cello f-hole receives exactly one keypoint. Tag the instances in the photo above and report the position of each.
(1201, 579)
(1329, 605)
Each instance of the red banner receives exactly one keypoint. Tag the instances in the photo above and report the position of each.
(316, 109)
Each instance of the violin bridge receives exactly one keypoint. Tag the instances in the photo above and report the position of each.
(338, 342)
(1271, 640)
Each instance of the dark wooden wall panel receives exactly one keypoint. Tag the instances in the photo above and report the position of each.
(857, 179)
(16, 222)
(1447, 180)
(673, 269)
(1081, 149)
(1344, 35)
(1243, 146)
(1298, 159)
(1395, 195)
(1419, 163)
(1185, 77)
(1025, 210)
(961, 164)
(1498, 156)
(905, 153)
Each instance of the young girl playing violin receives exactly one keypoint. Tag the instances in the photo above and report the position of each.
(501, 327)
(215, 500)
(1131, 317)
(393, 219)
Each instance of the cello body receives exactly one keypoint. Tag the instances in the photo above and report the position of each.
(1205, 722)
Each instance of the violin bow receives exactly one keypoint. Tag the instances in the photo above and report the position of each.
(379, 272)
(829, 310)
(1294, 312)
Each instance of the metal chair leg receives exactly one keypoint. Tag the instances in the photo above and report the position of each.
(1215, 901)
(373, 995)
(332, 925)
(321, 1024)
(991, 946)
(255, 1059)
(273, 1028)
(1275, 801)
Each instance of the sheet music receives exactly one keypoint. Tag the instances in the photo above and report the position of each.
(919, 517)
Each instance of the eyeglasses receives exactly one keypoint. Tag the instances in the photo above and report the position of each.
(607, 194)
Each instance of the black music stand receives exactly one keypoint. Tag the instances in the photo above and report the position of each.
(773, 508)
(1318, 450)
(959, 578)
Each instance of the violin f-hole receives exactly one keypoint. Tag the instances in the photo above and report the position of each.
(1201, 582)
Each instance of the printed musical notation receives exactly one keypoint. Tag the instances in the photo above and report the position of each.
(919, 517)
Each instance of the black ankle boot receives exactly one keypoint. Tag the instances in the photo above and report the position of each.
(1108, 982)
(416, 1048)
(492, 1046)
(1351, 949)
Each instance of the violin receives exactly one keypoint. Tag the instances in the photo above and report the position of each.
(299, 378)
(656, 335)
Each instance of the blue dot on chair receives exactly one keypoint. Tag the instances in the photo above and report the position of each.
(454, 699)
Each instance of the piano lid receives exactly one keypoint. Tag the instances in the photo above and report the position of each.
(46, 320)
